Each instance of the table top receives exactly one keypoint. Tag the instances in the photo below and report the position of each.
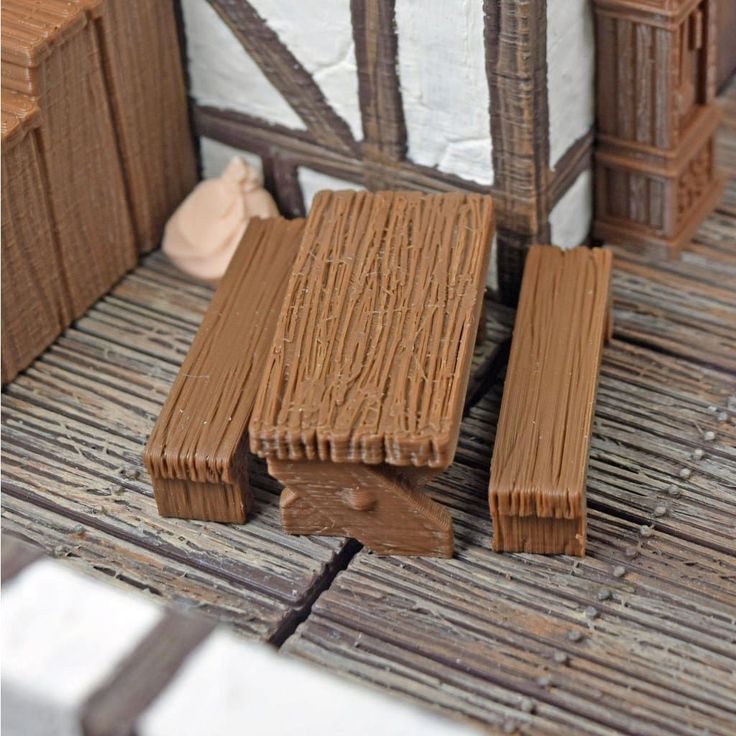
(371, 357)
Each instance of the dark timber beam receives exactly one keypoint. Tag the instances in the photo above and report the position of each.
(376, 49)
(516, 67)
(250, 134)
(285, 72)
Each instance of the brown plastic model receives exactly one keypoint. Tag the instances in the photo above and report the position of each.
(108, 157)
(197, 452)
(34, 309)
(363, 391)
(655, 170)
(540, 457)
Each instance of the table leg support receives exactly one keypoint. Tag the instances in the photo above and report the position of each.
(381, 506)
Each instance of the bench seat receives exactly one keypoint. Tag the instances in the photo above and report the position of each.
(540, 457)
(197, 452)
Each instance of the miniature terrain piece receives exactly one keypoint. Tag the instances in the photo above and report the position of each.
(370, 364)
(540, 456)
(655, 164)
(51, 52)
(197, 452)
(97, 153)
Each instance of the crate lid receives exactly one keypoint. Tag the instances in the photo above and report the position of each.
(19, 114)
(31, 29)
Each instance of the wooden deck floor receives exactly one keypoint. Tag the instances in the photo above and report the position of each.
(637, 638)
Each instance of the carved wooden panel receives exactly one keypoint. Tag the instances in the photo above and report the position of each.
(655, 177)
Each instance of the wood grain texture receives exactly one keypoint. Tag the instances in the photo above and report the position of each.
(148, 99)
(381, 506)
(371, 357)
(83, 411)
(35, 300)
(200, 439)
(376, 52)
(243, 131)
(516, 63)
(637, 637)
(656, 178)
(92, 220)
(540, 457)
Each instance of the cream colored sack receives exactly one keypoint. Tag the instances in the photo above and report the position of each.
(202, 235)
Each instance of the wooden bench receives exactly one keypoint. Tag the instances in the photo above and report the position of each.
(363, 391)
(197, 452)
(540, 457)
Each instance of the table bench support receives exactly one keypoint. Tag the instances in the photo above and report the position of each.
(382, 506)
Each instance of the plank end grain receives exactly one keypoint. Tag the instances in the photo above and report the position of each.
(197, 452)
(540, 456)
(372, 353)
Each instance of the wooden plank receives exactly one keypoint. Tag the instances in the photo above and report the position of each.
(540, 456)
(196, 454)
(245, 132)
(638, 637)
(74, 427)
(376, 53)
(371, 356)
(676, 308)
(148, 101)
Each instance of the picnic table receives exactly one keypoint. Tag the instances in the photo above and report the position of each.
(362, 395)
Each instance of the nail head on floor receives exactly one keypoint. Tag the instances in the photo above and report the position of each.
(631, 552)
(590, 612)
(660, 510)
(646, 531)
(574, 635)
(685, 473)
(544, 681)
(527, 705)
(619, 571)
(560, 657)
(603, 594)
(709, 436)
(698, 454)
(673, 491)
(723, 416)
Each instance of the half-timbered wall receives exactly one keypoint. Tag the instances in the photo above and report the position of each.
(477, 95)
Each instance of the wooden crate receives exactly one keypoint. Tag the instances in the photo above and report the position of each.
(656, 116)
(654, 199)
(109, 157)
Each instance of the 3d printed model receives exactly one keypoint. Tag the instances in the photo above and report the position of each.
(540, 457)
(108, 152)
(203, 233)
(197, 452)
(362, 394)
(655, 170)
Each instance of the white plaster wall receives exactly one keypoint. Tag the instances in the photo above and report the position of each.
(216, 156)
(231, 686)
(571, 217)
(62, 636)
(320, 34)
(222, 73)
(570, 73)
(312, 181)
(444, 86)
